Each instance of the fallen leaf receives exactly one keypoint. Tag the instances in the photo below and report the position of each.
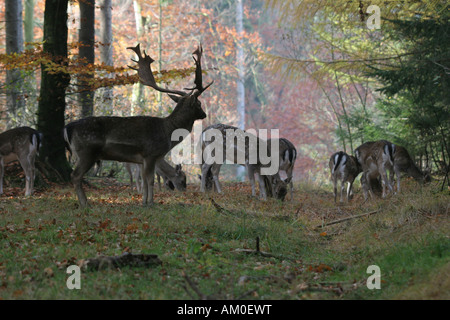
(48, 272)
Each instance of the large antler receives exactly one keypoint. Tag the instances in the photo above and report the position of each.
(198, 72)
(145, 72)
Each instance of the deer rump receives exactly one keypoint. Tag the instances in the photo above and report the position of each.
(21, 144)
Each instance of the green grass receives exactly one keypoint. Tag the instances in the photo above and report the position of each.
(407, 238)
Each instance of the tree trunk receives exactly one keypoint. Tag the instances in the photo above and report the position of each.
(138, 88)
(241, 76)
(86, 37)
(29, 20)
(106, 49)
(30, 86)
(52, 102)
(14, 44)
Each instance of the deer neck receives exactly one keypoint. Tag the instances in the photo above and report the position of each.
(180, 118)
(414, 172)
(164, 169)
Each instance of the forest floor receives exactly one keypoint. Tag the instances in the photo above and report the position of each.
(208, 248)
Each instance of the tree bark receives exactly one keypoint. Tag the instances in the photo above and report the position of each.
(138, 88)
(52, 102)
(86, 53)
(29, 20)
(14, 44)
(241, 76)
(106, 48)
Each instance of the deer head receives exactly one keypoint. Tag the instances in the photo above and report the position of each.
(190, 101)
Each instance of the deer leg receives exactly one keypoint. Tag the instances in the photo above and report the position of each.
(205, 169)
(215, 170)
(149, 181)
(334, 178)
(365, 185)
(385, 183)
(291, 189)
(27, 163)
(350, 190)
(342, 190)
(262, 187)
(390, 180)
(2, 171)
(98, 168)
(127, 166)
(139, 177)
(397, 174)
(83, 166)
(158, 178)
(251, 177)
(31, 159)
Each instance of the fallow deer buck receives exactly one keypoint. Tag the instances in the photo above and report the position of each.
(270, 185)
(344, 168)
(173, 178)
(21, 144)
(141, 139)
(376, 158)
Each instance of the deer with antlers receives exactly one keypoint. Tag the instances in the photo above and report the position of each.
(142, 139)
(20, 144)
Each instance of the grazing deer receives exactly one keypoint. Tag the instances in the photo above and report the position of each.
(288, 155)
(376, 158)
(141, 139)
(404, 163)
(173, 178)
(268, 185)
(344, 168)
(21, 144)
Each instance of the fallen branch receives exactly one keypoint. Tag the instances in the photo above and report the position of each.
(259, 252)
(126, 259)
(345, 219)
(219, 208)
(194, 288)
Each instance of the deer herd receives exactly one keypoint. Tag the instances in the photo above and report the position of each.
(142, 142)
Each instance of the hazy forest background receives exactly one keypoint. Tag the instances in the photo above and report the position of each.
(315, 70)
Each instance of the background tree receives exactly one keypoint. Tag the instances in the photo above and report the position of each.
(417, 87)
(54, 81)
(340, 53)
(86, 55)
(106, 49)
(14, 45)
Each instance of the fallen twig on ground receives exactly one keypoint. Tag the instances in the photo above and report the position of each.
(345, 219)
(126, 259)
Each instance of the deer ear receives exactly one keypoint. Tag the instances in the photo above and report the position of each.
(178, 168)
(288, 180)
(174, 98)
